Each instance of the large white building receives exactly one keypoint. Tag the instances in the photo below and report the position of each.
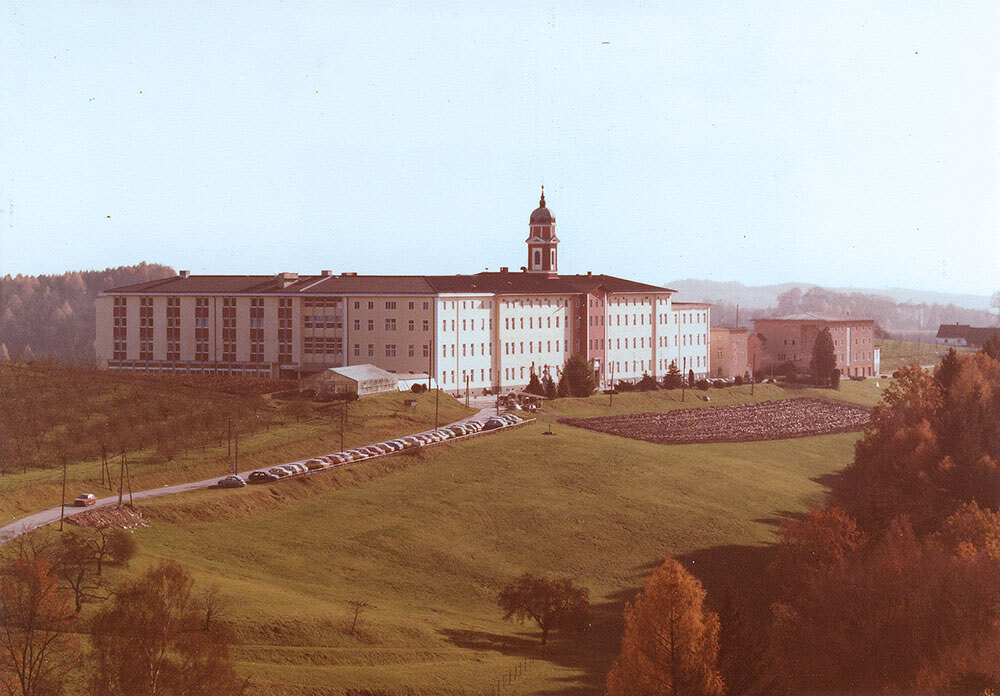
(488, 330)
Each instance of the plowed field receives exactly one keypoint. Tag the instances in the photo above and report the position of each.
(768, 420)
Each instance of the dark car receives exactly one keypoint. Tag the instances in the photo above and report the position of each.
(262, 477)
(232, 481)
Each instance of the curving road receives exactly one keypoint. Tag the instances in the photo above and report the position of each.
(38, 519)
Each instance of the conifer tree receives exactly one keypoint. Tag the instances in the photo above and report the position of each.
(823, 359)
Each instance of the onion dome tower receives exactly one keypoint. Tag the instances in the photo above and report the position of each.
(542, 241)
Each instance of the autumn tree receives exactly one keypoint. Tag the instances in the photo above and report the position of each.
(150, 641)
(992, 347)
(824, 360)
(747, 661)
(671, 643)
(37, 647)
(551, 603)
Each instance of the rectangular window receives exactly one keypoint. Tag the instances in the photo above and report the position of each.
(371, 350)
(409, 306)
(357, 325)
(284, 330)
(410, 324)
(371, 324)
(390, 305)
(427, 325)
(427, 351)
(390, 350)
(390, 324)
(357, 350)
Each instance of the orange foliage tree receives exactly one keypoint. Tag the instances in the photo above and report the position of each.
(37, 649)
(671, 643)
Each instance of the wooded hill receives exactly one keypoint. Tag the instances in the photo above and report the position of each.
(53, 315)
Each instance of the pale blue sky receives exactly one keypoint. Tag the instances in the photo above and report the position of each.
(840, 143)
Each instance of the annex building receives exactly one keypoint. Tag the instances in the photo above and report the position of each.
(487, 330)
(790, 340)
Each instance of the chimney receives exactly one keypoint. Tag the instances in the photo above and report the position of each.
(590, 273)
(504, 269)
(184, 274)
(349, 275)
(287, 278)
(326, 274)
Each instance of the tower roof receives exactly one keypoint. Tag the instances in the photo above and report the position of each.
(541, 215)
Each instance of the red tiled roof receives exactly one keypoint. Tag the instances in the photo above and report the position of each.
(486, 282)
(953, 331)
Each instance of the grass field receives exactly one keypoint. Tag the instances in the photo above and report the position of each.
(370, 420)
(895, 353)
(428, 540)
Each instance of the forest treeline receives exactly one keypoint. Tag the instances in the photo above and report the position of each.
(892, 587)
(53, 315)
(890, 315)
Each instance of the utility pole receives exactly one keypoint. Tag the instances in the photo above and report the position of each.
(236, 440)
(121, 480)
(467, 391)
(611, 393)
(62, 507)
(128, 477)
(229, 438)
(437, 397)
(753, 374)
(343, 420)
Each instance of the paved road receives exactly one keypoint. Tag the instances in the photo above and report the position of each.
(38, 519)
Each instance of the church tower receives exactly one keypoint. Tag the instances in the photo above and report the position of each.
(542, 241)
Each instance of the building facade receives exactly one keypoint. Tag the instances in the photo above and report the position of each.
(488, 330)
(730, 353)
(790, 339)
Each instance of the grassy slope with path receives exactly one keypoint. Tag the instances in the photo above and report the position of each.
(370, 420)
(895, 354)
(428, 539)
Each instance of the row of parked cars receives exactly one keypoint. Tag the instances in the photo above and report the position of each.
(326, 461)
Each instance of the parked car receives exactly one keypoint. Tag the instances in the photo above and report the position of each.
(262, 477)
(85, 499)
(316, 464)
(231, 481)
(493, 424)
(279, 471)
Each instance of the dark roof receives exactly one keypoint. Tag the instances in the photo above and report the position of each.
(486, 282)
(978, 336)
(953, 331)
(541, 215)
(815, 316)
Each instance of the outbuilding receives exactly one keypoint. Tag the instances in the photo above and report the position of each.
(363, 380)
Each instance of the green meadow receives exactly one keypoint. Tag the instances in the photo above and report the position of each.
(428, 539)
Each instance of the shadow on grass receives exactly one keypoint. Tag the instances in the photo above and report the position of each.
(741, 570)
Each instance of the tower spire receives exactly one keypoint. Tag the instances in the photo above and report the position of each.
(541, 202)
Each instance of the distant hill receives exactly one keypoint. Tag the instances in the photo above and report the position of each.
(53, 315)
(914, 311)
(760, 296)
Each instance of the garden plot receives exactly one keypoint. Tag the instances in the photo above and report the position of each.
(768, 420)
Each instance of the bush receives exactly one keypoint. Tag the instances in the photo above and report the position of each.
(647, 383)
(623, 386)
(738, 380)
(835, 378)
(418, 388)
(702, 384)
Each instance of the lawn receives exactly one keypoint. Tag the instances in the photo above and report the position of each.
(428, 539)
(895, 353)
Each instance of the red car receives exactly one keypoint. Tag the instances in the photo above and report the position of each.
(85, 499)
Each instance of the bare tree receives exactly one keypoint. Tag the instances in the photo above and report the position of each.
(358, 606)
(37, 649)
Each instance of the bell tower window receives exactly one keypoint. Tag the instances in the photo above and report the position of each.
(538, 259)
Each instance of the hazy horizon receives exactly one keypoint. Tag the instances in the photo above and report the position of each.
(850, 145)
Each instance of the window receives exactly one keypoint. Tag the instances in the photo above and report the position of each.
(371, 305)
(427, 325)
(357, 325)
(427, 351)
(410, 305)
(390, 305)
(390, 324)
(229, 329)
(410, 352)
(173, 329)
(371, 350)
(371, 324)
(390, 350)
(410, 324)
(146, 328)
(427, 305)
(357, 350)
(357, 305)
(284, 330)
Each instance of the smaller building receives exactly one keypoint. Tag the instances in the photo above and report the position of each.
(363, 380)
(789, 340)
(729, 353)
(965, 335)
